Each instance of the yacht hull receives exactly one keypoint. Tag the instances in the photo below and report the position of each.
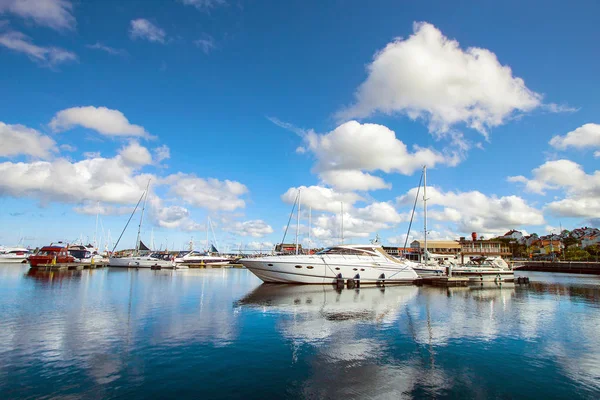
(313, 272)
(13, 260)
(139, 262)
(475, 275)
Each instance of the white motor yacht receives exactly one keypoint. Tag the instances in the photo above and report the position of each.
(153, 260)
(196, 257)
(485, 269)
(368, 264)
(14, 255)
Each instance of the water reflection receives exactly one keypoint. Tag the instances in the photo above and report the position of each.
(110, 333)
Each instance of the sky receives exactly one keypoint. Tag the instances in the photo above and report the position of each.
(229, 108)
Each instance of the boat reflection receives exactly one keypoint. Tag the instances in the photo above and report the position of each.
(52, 276)
(318, 312)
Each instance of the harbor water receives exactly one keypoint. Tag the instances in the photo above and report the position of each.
(218, 333)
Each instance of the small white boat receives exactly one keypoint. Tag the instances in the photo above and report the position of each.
(368, 264)
(86, 254)
(485, 269)
(149, 261)
(14, 255)
(196, 257)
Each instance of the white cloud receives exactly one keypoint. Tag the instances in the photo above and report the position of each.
(264, 246)
(475, 211)
(96, 179)
(101, 119)
(597, 154)
(48, 56)
(91, 208)
(581, 190)
(347, 180)
(55, 14)
(207, 44)
(135, 155)
(255, 228)
(204, 5)
(209, 193)
(429, 76)
(67, 147)
(586, 136)
(20, 140)
(344, 153)
(106, 49)
(161, 153)
(320, 198)
(143, 29)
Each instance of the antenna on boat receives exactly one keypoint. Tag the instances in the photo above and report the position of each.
(309, 228)
(298, 220)
(137, 243)
(425, 209)
(342, 222)
(96, 231)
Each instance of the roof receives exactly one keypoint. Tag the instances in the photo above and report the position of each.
(449, 244)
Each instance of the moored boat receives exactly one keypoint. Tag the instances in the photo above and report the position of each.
(55, 253)
(14, 255)
(368, 264)
(485, 269)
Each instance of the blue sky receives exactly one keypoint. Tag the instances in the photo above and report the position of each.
(228, 107)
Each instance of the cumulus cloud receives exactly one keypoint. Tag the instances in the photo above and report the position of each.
(429, 76)
(143, 29)
(586, 136)
(320, 198)
(209, 193)
(19, 140)
(259, 246)
(254, 228)
(91, 208)
(581, 190)
(475, 211)
(101, 119)
(108, 180)
(352, 148)
(135, 155)
(55, 14)
(47, 56)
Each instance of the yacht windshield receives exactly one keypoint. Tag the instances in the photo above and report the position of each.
(344, 251)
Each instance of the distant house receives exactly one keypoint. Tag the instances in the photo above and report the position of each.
(512, 235)
(546, 246)
(590, 240)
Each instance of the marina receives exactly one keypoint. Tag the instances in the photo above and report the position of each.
(111, 332)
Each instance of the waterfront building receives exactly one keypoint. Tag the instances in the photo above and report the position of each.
(449, 248)
(479, 247)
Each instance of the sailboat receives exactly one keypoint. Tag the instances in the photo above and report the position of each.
(137, 260)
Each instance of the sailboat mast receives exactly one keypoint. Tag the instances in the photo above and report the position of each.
(342, 227)
(96, 231)
(207, 224)
(309, 227)
(425, 209)
(137, 243)
(298, 222)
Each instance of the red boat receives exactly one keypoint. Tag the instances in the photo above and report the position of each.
(49, 254)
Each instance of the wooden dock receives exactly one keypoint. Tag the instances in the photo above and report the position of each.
(444, 281)
(68, 266)
(573, 267)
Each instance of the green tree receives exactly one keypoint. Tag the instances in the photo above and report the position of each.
(576, 254)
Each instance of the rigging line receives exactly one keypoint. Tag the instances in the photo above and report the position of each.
(413, 211)
(290, 219)
(128, 221)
